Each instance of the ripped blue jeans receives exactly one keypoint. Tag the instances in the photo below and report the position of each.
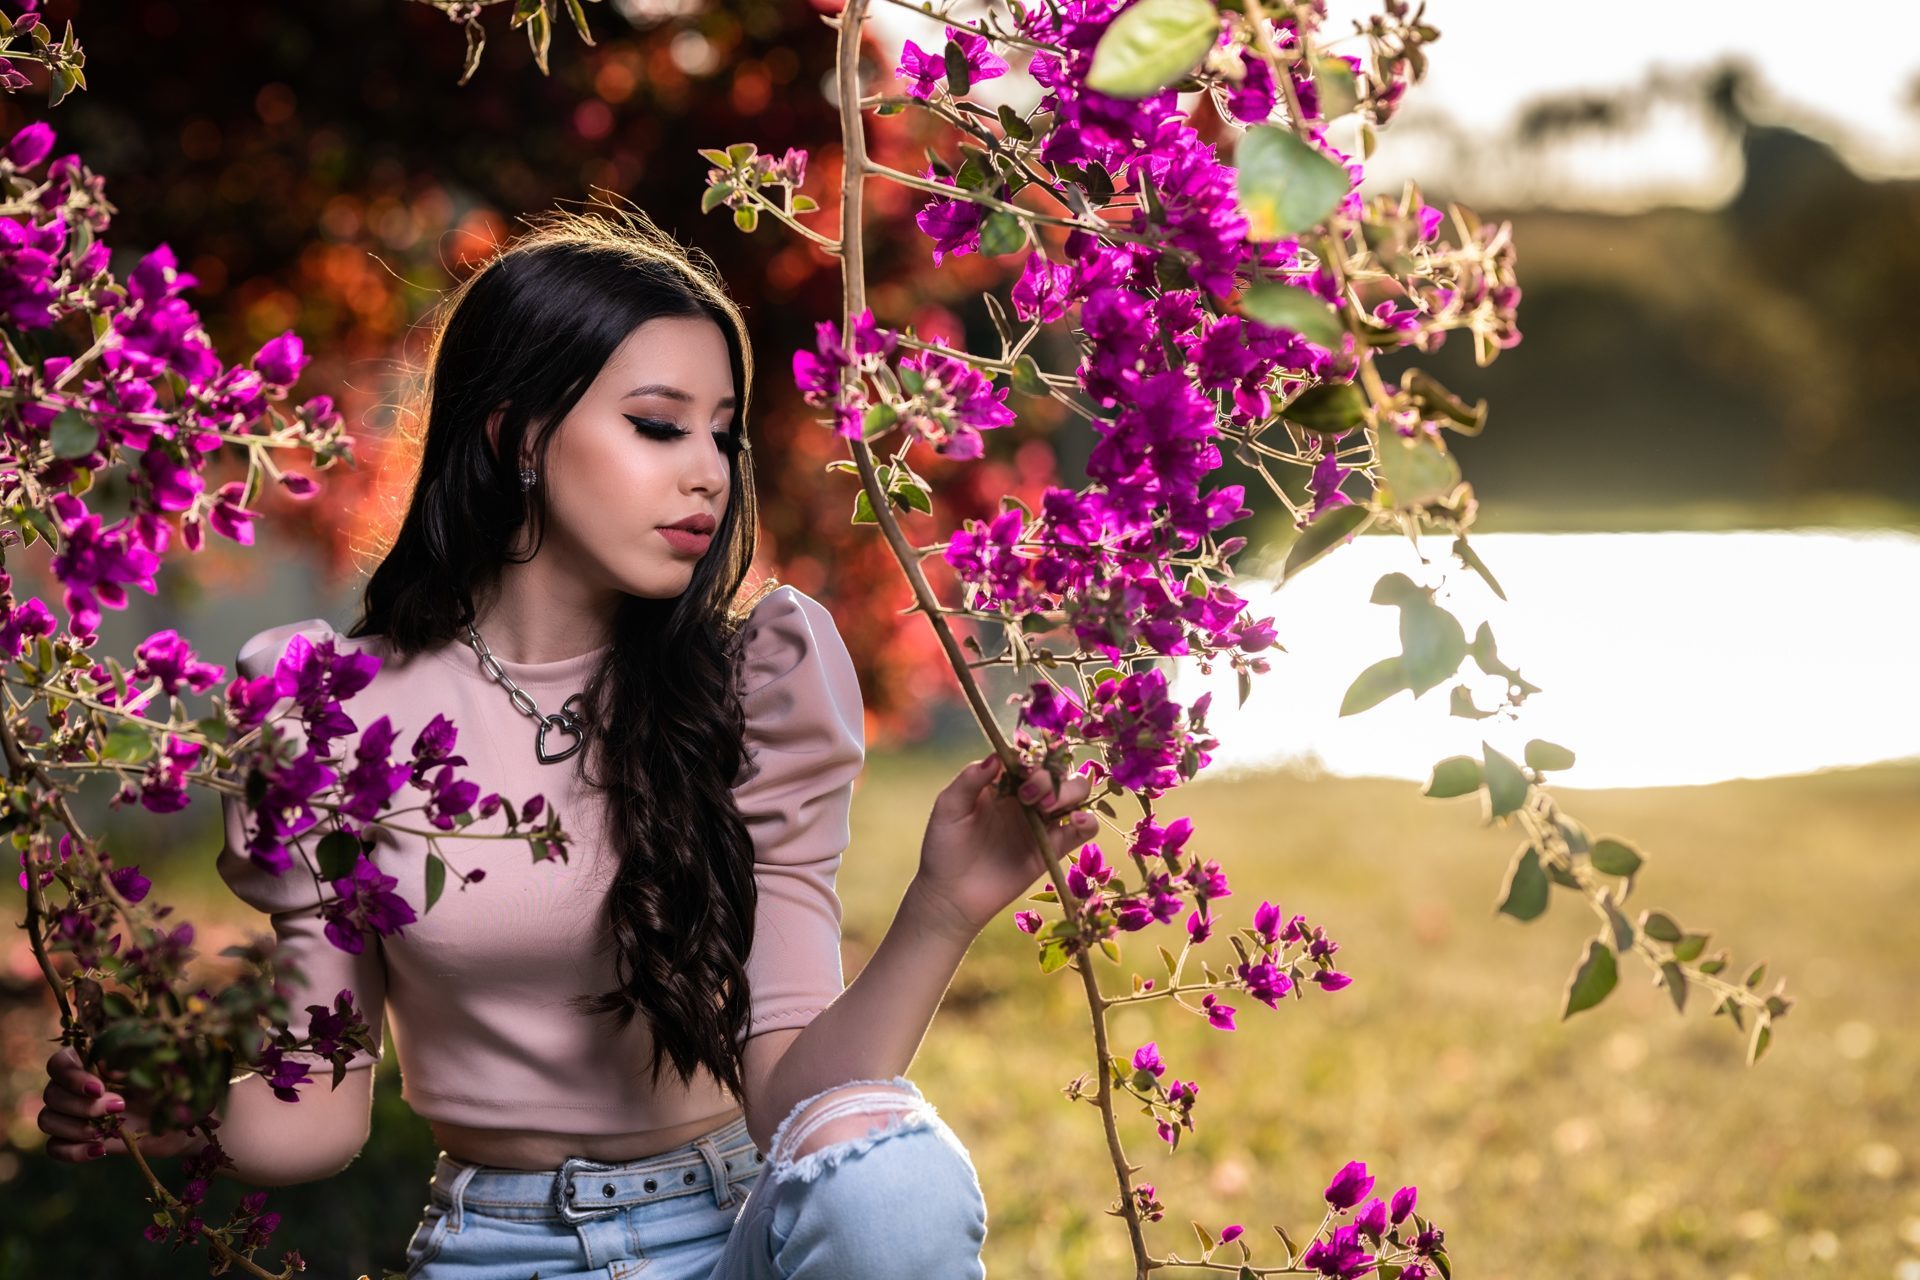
(901, 1201)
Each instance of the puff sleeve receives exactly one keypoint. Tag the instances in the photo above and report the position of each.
(805, 744)
(292, 901)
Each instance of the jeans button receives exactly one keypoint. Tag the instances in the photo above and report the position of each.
(688, 1177)
(608, 1189)
(651, 1184)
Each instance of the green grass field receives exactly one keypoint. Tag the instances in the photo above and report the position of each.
(1628, 1142)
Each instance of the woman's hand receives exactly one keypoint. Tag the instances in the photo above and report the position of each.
(979, 857)
(74, 1096)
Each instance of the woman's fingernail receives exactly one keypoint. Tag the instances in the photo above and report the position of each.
(95, 1088)
(116, 1104)
(97, 1149)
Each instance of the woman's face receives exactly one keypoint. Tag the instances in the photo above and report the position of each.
(646, 446)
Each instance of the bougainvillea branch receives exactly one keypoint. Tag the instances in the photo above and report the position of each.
(1217, 302)
(145, 401)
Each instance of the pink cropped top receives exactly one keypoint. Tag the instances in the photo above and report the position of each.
(474, 992)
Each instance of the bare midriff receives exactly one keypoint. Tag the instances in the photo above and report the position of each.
(527, 1149)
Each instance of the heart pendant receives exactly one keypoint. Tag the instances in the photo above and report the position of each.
(565, 723)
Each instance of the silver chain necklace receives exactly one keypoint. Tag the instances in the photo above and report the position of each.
(566, 719)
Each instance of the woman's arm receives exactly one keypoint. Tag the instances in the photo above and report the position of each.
(978, 857)
(274, 1143)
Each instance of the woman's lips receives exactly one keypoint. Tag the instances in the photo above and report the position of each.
(686, 542)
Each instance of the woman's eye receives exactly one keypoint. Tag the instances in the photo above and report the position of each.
(656, 428)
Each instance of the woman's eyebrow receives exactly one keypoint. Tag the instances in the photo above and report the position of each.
(668, 392)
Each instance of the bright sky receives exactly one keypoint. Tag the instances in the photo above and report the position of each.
(1841, 69)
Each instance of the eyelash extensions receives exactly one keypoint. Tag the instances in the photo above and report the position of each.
(658, 429)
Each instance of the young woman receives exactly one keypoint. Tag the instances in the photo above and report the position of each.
(563, 589)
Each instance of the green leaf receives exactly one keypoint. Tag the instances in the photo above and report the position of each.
(579, 16)
(1151, 45)
(863, 509)
(1374, 685)
(1506, 785)
(1690, 946)
(1659, 926)
(1328, 530)
(1525, 895)
(1027, 377)
(1471, 558)
(1614, 858)
(127, 742)
(1594, 977)
(911, 494)
(746, 218)
(878, 420)
(973, 174)
(1544, 756)
(1454, 776)
(1330, 407)
(959, 74)
(1757, 976)
(1013, 126)
(1286, 185)
(1339, 93)
(1574, 832)
(1432, 642)
(1621, 926)
(714, 194)
(74, 435)
(1053, 955)
(1675, 982)
(1414, 471)
(436, 879)
(1111, 948)
(1002, 233)
(1283, 306)
(1762, 1037)
(338, 852)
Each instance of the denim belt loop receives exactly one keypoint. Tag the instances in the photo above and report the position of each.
(722, 1185)
(456, 1191)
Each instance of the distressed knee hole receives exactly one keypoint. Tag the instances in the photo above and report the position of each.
(831, 1126)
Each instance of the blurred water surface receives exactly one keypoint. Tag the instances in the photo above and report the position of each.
(1662, 658)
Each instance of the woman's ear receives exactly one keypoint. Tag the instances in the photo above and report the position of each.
(493, 432)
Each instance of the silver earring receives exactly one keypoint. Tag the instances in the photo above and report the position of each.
(527, 476)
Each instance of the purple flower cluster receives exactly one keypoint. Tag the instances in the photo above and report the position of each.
(53, 267)
(924, 72)
(1344, 1254)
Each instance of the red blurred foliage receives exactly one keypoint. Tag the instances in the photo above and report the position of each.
(342, 206)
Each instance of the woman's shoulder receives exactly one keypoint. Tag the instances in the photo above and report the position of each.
(788, 627)
(795, 665)
(261, 651)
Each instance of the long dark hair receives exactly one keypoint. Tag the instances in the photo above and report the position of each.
(530, 330)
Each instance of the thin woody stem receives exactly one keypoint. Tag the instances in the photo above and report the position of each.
(20, 765)
(851, 24)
